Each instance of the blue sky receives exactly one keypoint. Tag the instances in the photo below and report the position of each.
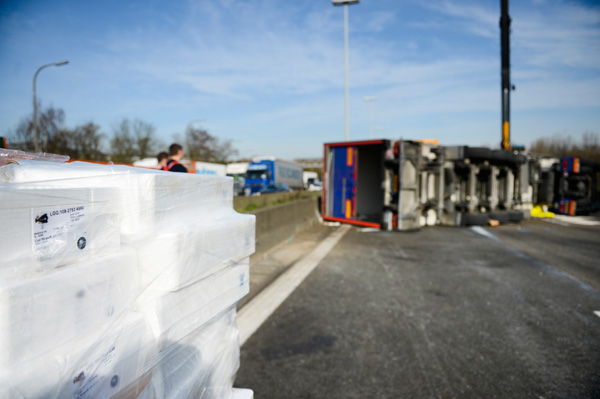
(268, 74)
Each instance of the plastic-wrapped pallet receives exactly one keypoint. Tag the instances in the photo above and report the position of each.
(188, 263)
(148, 201)
(175, 315)
(54, 227)
(202, 365)
(113, 362)
(171, 260)
(44, 310)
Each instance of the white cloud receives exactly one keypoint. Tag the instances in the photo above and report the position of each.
(567, 37)
(479, 20)
(380, 20)
(558, 34)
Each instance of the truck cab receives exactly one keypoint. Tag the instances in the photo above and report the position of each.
(258, 175)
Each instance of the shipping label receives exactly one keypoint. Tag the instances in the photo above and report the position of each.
(56, 228)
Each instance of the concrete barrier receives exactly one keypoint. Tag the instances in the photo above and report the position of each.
(278, 223)
(255, 202)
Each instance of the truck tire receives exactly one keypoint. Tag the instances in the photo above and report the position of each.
(478, 153)
(474, 219)
(515, 216)
(502, 217)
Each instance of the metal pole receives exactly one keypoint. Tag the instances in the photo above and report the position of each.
(346, 73)
(505, 73)
(36, 135)
(36, 138)
(370, 119)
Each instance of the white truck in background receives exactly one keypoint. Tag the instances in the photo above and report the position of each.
(238, 171)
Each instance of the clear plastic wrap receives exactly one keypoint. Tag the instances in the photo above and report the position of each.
(54, 227)
(202, 365)
(113, 362)
(15, 156)
(146, 308)
(174, 315)
(148, 201)
(172, 260)
(45, 310)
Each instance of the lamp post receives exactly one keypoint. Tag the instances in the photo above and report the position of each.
(36, 144)
(370, 100)
(346, 3)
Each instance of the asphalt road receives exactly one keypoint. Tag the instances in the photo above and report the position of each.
(502, 312)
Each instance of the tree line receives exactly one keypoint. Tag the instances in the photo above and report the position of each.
(560, 146)
(131, 140)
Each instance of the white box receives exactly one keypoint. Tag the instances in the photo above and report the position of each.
(172, 260)
(113, 362)
(202, 365)
(46, 310)
(148, 200)
(54, 227)
(175, 315)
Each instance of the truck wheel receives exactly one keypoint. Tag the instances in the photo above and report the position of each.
(502, 217)
(475, 219)
(515, 216)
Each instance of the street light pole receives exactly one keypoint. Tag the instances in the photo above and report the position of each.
(36, 139)
(370, 101)
(345, 3)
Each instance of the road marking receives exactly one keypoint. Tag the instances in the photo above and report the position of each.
(484, 232)
(580, 220)
(549, 220)
(258, 310)
(537, 262)
(369, 230)
(597, 313)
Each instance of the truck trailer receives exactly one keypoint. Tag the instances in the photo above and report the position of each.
(270, 170)
(407, 184)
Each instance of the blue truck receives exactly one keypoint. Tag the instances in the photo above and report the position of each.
(264, 171)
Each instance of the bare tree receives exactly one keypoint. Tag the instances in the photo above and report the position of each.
(84, 142)
(202, 146)
(132, 141)
(122, 146)
(144, 135)
(50, 122)
(559, 146)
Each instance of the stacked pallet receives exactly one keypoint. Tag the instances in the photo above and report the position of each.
(119, 282)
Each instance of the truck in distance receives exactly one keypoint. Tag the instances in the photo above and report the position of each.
(264, 171)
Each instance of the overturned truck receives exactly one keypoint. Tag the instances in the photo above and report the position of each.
(406, 184)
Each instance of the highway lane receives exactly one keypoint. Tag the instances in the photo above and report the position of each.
(442, 312)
